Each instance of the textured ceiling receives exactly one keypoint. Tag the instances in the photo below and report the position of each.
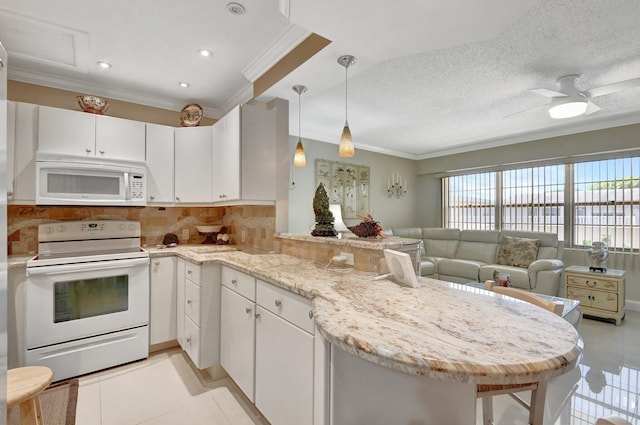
(432, 77)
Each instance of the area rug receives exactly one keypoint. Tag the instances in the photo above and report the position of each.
(58, 404)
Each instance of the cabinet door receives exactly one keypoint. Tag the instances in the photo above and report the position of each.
(580, 294)
(284, 371)
(159, 146)
(11, 143)
(604, 300)
(25, 152)
(259, 153)
(118, 138)
(237, 339)
(231, 155)
(180, 282)
(162, 312)
(193, 176)
(192, 341)
(67, 132)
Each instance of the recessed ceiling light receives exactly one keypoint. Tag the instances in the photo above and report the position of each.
(183, 84)
(235, 8)
(206, 53)
(104, 65)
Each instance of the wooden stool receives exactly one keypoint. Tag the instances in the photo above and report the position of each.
(24, 385)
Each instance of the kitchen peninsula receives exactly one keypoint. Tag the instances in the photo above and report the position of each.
(403, 353)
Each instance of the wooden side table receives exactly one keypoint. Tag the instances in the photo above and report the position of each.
(24, 385)
(601, 295)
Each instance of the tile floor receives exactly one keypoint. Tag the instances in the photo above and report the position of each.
(166, 389)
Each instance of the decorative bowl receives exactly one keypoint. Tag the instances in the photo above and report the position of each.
(191, 115)
(210, 229)
(93, 104)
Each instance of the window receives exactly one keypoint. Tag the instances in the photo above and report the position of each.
(533, 199)
(607, 203)
(602, 198)
(471, 201)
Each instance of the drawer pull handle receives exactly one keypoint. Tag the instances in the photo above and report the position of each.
(234, 281)
(591, 283)
(188, 271)
(247, 310)
(189, 339)
(310, 314)
(278, 303)
(157, 263)
(188, 301)
(257, 316)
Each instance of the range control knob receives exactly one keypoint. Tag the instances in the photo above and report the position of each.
(121, 226)
(132, 227)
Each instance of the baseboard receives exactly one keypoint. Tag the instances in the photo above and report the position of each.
(632, 305)
(162, 346)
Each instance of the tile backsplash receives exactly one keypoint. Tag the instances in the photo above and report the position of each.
(247, 225)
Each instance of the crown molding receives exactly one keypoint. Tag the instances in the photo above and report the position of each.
(282, 45)
(42, 79)
(565, 130)
(243, 96)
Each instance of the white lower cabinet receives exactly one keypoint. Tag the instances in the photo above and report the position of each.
(267, 348)
(237, 339)
(284, 370)
(162, 311)
(198, 312)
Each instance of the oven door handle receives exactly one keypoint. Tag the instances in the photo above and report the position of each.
(76, 267)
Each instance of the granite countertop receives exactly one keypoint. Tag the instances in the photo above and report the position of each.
(440, 329)
(391, 242)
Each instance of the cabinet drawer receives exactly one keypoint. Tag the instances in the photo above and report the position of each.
(192, 272)
(593, 283)
(192, 341)
(291, 307)
(192, 302)
(239, 282)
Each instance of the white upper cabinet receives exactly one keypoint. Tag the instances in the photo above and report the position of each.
(83, 134)
(120, 139)
(244, 155)
(258, 153)
(21, 146)
(226, 157)
(160, 173)
(193, 156)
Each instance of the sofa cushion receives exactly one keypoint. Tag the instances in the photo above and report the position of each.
(440, 242)
(478, 245)
(517, 252)
(427, 268)
(518, 276)
(408, 232)
(548, 242)
(467, 269)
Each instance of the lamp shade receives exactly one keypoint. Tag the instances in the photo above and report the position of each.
(338, 224)
(299, 157)
(346, 148)
(568, 109)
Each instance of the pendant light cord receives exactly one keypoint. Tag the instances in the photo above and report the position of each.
(299, 112)
(346, 94)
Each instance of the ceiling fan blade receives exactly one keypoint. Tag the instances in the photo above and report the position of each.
(591, 108)
(548, 93)
(613, 87)
(526, 111)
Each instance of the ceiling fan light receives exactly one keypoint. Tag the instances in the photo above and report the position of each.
(568, 109)
(299, 157)
(346, 148)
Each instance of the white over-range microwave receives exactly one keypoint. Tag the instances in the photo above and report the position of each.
(80, 181)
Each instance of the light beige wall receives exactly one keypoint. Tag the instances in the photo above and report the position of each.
(40, 95)
(390, 212)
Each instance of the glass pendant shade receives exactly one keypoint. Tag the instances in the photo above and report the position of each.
(346, 148)
(299, 158)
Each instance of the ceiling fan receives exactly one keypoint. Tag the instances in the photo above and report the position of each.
(569, 101)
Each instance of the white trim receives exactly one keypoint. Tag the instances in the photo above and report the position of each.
(287, 41)
(41, 79)
(632, 305)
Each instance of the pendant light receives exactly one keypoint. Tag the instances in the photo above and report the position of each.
(346, 149)
(299, 158)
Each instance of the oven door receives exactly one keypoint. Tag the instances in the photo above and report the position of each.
(74, 301)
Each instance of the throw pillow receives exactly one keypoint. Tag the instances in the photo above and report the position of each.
(517, 252)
